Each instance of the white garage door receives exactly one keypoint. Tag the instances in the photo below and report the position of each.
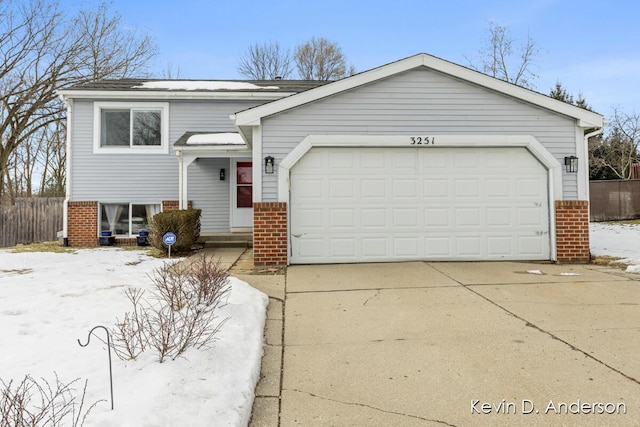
(430, 203)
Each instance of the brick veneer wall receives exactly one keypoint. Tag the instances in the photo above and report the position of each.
(269, 233)
(82, 223)
(572, 231)
(173, 205)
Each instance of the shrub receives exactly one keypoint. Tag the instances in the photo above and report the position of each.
(180, 314)
(185, 224)
(33, 403)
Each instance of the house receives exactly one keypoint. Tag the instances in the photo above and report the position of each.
(419, 159)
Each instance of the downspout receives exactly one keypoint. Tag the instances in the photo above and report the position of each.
(65, 208)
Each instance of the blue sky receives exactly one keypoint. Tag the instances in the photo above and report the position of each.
(592, 47)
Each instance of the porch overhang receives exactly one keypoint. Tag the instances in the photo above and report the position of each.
(194, 145)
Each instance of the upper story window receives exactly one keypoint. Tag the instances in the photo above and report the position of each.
(130, 127)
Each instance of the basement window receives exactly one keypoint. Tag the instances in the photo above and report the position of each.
(126, 219)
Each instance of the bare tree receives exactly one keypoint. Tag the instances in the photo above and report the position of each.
(320, 59)
(614, 155)
(265, 61)
(43, 50)
(499, 60)
(171, 72)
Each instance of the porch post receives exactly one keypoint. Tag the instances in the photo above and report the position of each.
(180, 178)
(183, 166)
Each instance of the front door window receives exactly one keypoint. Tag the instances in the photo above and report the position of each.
(244, 185)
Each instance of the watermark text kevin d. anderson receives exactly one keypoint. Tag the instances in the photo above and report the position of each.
(527, 406)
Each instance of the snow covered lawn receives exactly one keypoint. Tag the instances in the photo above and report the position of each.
(50, 300)
(617, 239)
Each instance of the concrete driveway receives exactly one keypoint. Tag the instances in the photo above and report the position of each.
(460, 344)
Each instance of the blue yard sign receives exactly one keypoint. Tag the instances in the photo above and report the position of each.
(169, 239)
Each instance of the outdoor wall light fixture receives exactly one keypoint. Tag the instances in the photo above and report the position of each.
(571, 164)
(222, 174)
(268, 164)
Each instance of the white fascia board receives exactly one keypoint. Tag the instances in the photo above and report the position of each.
(174, 94)
(586, 119)
(208, 152)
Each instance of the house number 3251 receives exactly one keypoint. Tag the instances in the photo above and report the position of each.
(422, 140)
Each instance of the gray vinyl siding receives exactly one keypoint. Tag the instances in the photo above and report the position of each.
(208, 193)
(418, 102)
(151, 178)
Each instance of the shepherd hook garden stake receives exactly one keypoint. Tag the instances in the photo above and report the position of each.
(109, 350)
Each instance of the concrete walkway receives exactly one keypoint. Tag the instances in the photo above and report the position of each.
(432, 344)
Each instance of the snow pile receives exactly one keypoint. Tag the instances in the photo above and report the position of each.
(201, 85)
(49, 300)
(215, 139)
(617, 240)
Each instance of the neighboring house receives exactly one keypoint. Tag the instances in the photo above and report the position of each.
(419, 159)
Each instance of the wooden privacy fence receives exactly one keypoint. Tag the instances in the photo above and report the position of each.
(614, 200)
(31, 220)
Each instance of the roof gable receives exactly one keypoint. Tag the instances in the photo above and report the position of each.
(585, 119)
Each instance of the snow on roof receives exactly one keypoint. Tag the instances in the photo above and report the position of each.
(201, 85)
(215, 139)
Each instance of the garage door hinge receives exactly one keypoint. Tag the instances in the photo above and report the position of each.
(541, 233)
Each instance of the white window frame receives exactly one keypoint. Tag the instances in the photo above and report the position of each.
(163, 148)
(130, 208)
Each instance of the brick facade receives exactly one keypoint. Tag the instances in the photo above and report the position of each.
(270, 229)
(170, 205)
(173, 205)
(572, 231)
(269, 233)
(82, 223)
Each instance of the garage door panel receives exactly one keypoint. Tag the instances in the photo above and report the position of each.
(341, 188)
(374, 218)
(438, 247)
(404, 188)
(467, 217)
(405, 247)
(374, 247)
(437, 217)
(427, 203)
(342, 247)
(499, 217)
(529, 245)
(309, 218)
(403, 160)
(530, 187)
(530, 217)
(372, 162)
(467, 188)
(499, 246)
(469, 246)
(405, 217)
(373, 188)
(340, 218)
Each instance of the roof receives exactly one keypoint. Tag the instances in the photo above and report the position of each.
(252, 116)
(159, 88)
